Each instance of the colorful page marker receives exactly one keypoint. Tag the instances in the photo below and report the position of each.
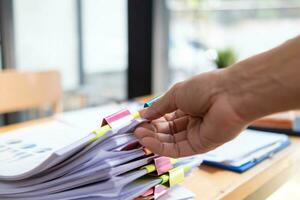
(176, 176)
(114, 117)
(100, 132)
(114, 120)
(136, 115)
(148, 192)
(173, 161)
(163, 164)
(150, 168)
(120, 119)
(159, 190)
(155, 192)
(164, 178)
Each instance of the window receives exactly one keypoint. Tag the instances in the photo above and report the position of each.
(1, 65)
(46, 37)
(247, 27)
(105, 48)
(84, 40)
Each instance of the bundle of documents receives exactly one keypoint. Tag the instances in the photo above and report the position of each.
(246, 150)
(56, 160)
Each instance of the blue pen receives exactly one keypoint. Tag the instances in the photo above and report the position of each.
(149, 103)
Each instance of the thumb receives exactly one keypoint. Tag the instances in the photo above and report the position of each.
(165, 104)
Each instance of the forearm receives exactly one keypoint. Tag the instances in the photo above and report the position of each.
(266, 83)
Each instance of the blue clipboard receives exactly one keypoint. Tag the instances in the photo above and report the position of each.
(250, 164)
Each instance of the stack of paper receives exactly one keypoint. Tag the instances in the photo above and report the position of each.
(246, 150)
(57, 161)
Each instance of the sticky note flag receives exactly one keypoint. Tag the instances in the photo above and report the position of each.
(164, 178)
(176, 176)
(112, 120)
(148, 192)
(101, 131)
(159, 190)
(136, 115)
(150, 168)
(162, 164)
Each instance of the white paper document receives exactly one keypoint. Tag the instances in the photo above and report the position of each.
(88, 119)
(62, 160)
(28, 150)
(249, 145)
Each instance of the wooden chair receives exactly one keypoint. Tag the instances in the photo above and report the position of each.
(27, 90)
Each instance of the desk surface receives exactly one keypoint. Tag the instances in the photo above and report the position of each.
(212, 183)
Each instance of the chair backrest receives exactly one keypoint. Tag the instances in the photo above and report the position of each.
(26, 90)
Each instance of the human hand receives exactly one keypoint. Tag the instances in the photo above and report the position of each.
(200, 114)
(193, 117)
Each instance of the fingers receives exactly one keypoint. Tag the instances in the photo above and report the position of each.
(174, 150)
(165, 104)
(168, 138)
(148, 130)
(172, 127)
(169, 117)
(174, 115)
(167, 127)
(176, 138)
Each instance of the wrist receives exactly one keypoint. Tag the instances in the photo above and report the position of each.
(243, 86)
(265, 83)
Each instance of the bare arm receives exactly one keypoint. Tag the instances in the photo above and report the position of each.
(201, 113)
(268, 82)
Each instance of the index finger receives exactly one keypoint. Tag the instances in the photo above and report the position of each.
(165, 104)
(174, 150)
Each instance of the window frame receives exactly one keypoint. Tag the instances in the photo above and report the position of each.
(7, 34)
(140, 28)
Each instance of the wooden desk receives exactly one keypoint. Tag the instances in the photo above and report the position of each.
(212, 183)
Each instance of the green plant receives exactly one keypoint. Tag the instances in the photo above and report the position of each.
(226, 57)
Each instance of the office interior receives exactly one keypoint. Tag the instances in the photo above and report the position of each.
(116, 51)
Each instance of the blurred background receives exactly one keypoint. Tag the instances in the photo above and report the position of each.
(115, 50)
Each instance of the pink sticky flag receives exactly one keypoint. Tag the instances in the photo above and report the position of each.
(148, 192)
(163, 164)
(115, 117)
(159, 190)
